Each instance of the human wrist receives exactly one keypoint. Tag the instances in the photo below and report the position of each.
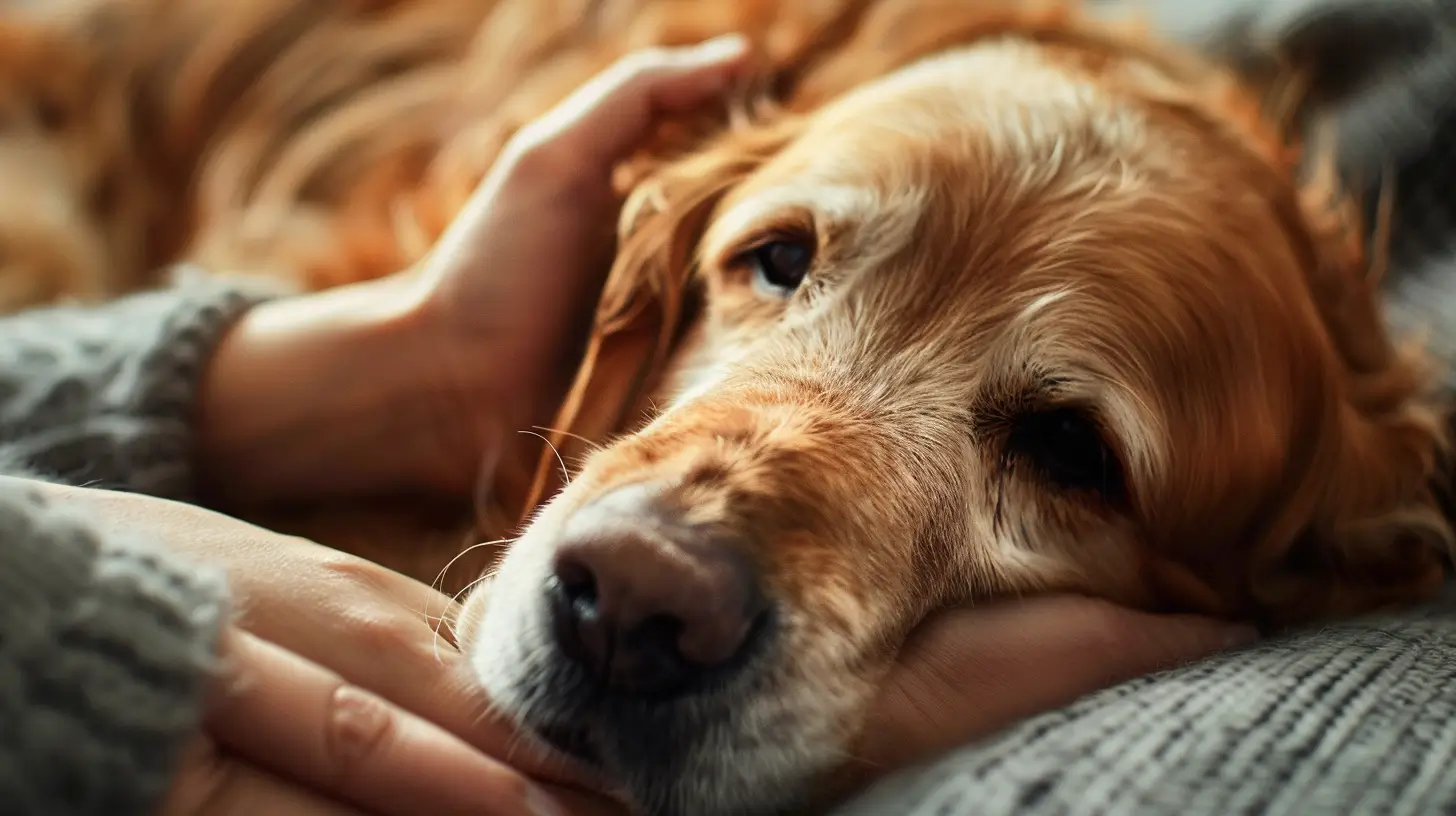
(324, 393)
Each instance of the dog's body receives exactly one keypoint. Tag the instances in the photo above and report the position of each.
(991, 300)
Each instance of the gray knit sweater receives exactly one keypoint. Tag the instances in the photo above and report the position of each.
(105, 641)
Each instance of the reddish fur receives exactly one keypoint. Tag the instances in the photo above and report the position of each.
(191, 129)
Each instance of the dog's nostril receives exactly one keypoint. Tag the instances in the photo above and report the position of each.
(577, 581)
(646, 615)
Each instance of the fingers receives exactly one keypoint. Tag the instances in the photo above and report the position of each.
(211, 784)
(377, 629)
(969, 672)
(294, 718)
(372, 632)
(612, 113)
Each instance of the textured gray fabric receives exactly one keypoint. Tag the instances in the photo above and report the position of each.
(101, 397)
(1358, 718)
(104, 648)
(104, 642)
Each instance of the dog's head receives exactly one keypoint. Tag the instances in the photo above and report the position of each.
(1030, 307)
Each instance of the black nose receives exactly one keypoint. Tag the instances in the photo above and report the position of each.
(648, 607)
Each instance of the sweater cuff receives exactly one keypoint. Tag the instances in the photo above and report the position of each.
(106, 647)
(169, 377)
(110, 398)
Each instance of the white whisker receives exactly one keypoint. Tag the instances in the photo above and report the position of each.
(565, 474)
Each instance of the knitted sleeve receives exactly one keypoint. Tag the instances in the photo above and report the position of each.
(102, 395)
(105, 646)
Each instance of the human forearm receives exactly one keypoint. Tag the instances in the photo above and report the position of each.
(334, 393)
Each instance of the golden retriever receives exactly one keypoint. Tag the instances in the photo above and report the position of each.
(985, 299)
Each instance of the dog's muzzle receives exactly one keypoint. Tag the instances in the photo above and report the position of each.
(653, 629)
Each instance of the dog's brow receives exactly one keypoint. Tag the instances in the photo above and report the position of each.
(836, 203)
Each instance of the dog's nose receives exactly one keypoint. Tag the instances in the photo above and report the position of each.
(647, 607)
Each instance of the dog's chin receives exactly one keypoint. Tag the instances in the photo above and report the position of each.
(753, 741)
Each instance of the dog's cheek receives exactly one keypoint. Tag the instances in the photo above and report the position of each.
(467, 625)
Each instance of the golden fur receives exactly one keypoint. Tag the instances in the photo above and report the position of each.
(1014, 212)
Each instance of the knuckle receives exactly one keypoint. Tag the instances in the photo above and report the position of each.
(538, 155)
(385, 634)
(356, 573)
(357, 730)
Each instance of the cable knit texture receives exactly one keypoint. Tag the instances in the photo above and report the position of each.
(103, 397)
(104, 647)
(105, 642)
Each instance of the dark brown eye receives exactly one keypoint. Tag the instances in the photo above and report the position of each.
(781, 265)
(1068, 449)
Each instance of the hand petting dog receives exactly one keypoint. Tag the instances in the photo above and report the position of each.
(334, 694)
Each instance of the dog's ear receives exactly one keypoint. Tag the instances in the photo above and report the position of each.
(1366, 527)
(1349, 87)
(651, 296)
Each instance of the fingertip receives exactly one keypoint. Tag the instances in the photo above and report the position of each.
(695, 74)
(1198, 639)
(541, 803)
(1237, 636)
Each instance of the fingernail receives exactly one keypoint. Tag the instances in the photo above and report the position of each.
(1236, 636)
(721, 48)
(540, 803)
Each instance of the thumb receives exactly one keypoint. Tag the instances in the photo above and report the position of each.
(966, 673)
(614, 111)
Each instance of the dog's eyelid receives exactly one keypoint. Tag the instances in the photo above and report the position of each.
(995, 411)
(788, 211)
(795, 228)
(1066, 445)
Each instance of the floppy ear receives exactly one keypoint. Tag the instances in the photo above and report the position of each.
(1368, 527)
(1368, 524)
(650, 299)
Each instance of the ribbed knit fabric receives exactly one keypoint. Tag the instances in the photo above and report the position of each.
(105, 642)
(103, 397)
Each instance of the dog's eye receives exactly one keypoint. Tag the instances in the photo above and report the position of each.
(781, 264)
(1068, 448)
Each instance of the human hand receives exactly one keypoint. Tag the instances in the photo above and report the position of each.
(314, 616)
(449, 360)
(967, 673)
(513, 281)
(284, 735)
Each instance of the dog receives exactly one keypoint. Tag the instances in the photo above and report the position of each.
(1026, 306)
(974, 300)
